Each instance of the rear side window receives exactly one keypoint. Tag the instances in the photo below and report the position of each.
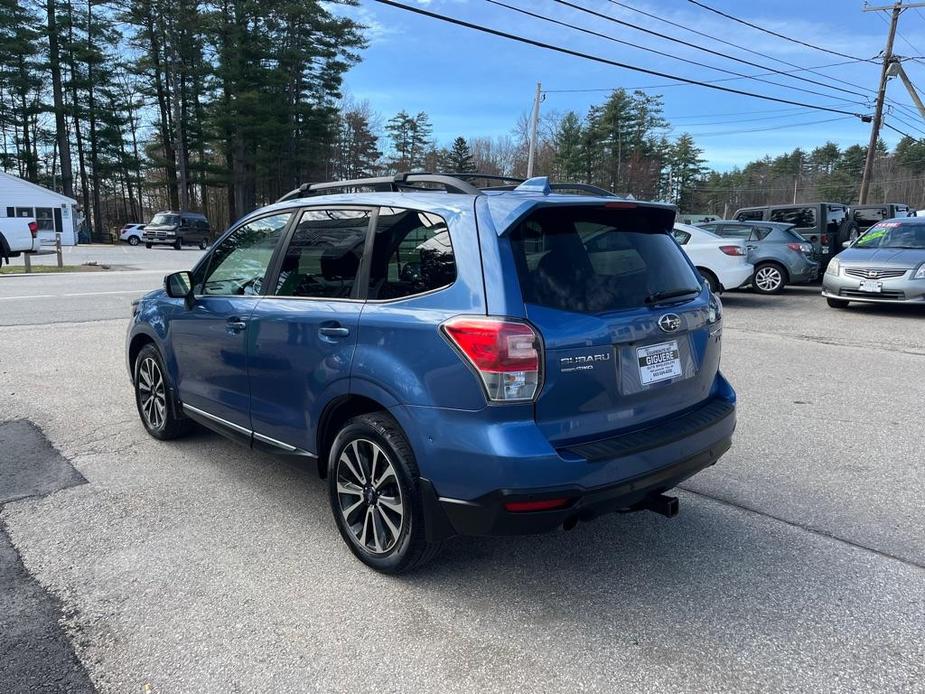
(412, 254)
(750, 215)
(596, 259)
(324, 253)
(800, 217)
(735, 231)
(866, 218)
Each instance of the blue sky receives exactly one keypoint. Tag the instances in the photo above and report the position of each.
(474, 84)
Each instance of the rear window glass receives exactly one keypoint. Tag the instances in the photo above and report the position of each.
(596, 259)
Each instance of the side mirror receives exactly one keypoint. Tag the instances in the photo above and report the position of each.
(179, 285)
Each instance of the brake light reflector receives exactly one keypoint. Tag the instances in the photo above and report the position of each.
(539, 505)
(33, 229)
(505, 353)
(732, 250)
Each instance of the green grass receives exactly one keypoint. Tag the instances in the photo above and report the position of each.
(16, 269)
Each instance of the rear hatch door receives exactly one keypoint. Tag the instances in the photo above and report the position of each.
(629, 332)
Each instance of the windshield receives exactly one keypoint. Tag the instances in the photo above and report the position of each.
(164, 219)
(893, 235)
(596, 259)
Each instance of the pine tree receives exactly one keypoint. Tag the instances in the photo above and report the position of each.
(459, 158)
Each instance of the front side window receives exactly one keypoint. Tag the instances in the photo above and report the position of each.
(596, 259)
(896, 235)
(800, 217)
(412, 254)
(324, 254)
(240, 260)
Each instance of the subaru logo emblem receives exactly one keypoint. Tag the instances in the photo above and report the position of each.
(669, 322)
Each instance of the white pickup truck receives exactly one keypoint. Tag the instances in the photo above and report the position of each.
(18, 235)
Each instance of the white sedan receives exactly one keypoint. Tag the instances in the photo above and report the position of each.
(722, 262)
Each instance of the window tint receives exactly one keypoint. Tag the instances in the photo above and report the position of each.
(866, 218)
(682, 237)
(412, 254)
(735, 231)
(323, 257)
(240, 261)
(750, 215)
(801, 217)
(595, 259)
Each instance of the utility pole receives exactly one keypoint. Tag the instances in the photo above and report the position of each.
(534, 123)
(888, 59)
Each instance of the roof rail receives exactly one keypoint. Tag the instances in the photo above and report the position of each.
(398, 182)
(565, 187)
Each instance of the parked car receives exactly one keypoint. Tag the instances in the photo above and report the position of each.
(865, 216)
(695, 218)
(178, 229)
(722, 263)
(457, 361)
(780, 255)
(132, 233)
(885, 265)
(18, 235)
(826, 225)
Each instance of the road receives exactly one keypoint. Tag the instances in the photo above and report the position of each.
(796, 564)
(89, 296)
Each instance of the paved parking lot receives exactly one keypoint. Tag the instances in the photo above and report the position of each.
(797, 563)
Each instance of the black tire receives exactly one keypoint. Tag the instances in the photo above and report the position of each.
(159, 419)
(133, 241)
(178, 244)
(203, 245)
(356, 442)
(711, 280)
(769, 278)
(836, 303)
(4, 250)
(148, 245)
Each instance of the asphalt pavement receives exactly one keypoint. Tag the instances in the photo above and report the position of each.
(796, 564)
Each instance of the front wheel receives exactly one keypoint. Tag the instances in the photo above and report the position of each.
(836, 303)
(375, 495)
(152, 397)
(710, 279)
(203, 245)
(769, 278)
(178, 244)
(148, 245)
(133, 241)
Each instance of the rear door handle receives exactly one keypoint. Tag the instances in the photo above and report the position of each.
(236, 325)
(334, 331)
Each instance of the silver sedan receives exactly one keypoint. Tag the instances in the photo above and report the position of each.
(885, 265)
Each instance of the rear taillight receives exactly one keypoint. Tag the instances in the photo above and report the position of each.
(824, 240)
(795, 247)
(506, 355)
(33, 229)
(732, 250)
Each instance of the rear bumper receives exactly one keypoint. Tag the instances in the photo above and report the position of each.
(487, 515)
(468, 495)
(804, 272)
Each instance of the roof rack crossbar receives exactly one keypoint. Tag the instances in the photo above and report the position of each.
(400, 181)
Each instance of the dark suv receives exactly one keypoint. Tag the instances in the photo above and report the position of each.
(457, 361)
(826, 225)
(865, 216)
(178, 229)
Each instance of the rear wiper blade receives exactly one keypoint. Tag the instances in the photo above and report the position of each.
(655, 297)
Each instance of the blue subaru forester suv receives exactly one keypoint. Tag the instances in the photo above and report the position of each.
(458, 360)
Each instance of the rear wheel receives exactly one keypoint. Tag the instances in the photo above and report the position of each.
(152, 397)
(711, 279)
(769, 278)
(375, 495)
(178, 244)
(133, 241)
(147, 245)
(836, 303)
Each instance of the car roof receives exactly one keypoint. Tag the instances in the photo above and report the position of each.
(504, 206)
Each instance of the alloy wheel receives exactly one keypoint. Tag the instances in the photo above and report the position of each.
(768, 278)
(152, 395)
(369, 496)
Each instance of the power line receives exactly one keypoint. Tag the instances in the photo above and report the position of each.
(813, 70)
(907, 123)
(773, 33)
(739, 75)
(765, 129)
(701, 48)
(904, 134)
(741, 120)
(567, 51)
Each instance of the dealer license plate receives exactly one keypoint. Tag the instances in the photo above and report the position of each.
(873, 286)
(659, 362)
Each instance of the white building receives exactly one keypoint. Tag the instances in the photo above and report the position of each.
(53, 211)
